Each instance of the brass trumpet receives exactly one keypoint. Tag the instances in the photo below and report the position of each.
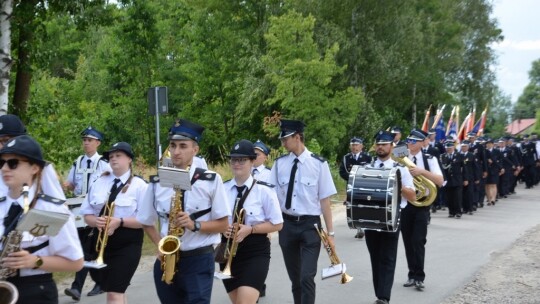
(103, 236)
(334, 260)
(232, 246)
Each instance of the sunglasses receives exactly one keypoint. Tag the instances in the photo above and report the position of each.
(239, 161)
(412, 141)
(12, 163)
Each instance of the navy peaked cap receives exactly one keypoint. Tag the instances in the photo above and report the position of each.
(290, 127)
(384, 137)
(120, 146)
(243, 148)
(11, 125)
(26, 146)
(92, 133)
(184, 129)
(261, 146)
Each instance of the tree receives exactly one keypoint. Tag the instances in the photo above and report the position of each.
(6, 8)
(529, 101)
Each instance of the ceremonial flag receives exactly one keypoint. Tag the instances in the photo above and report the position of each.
(464, 126)
(440, 133)
(438, 117)
(452, 130)
(450, 121)
(425, 125)
(480, 124)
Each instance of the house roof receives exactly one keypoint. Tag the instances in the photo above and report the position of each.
(519, 126)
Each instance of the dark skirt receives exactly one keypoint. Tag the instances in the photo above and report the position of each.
(39, 288)
(122, 255)
(251, 264)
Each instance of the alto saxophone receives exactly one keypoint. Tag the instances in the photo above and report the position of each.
(169, 245)
(12, 242)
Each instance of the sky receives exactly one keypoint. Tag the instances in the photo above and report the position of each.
(520, 23)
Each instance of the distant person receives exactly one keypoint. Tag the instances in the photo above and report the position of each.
(259, 170)
(356, 157)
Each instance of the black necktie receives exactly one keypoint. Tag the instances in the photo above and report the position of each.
(381, 165)
(88, 163)
(254, 171)
(239, 201)
(114, 190)
(291, 185)
(414, 159)
(12, 217)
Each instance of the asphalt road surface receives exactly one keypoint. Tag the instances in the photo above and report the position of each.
(455, 251)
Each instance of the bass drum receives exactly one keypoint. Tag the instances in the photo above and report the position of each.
(74, 205)
(373, 198)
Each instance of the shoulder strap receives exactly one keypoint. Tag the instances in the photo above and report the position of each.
(426, 163)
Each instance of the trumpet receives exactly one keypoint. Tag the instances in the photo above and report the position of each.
(334, 260)
(103, 236)
(169, 245)
(232, 246)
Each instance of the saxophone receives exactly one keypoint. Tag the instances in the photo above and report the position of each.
(12, 242)
(169, 245)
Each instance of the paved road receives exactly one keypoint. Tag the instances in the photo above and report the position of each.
(456, 249)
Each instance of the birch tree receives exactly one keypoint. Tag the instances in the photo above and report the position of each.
(6, 8)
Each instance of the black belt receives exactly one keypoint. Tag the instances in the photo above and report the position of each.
(198, 251)
(31, 279)
(298, 218)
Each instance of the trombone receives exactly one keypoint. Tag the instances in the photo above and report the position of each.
(334, 260)
(103, 236)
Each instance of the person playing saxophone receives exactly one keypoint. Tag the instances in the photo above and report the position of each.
(260, 204)
(204, 215)
(415, 219)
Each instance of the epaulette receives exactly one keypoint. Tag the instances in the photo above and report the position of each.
(227, 180)
(140, 178)
(74, 164)
(268, 168)
(283, 155)
(265, 184)
(396, 164)
(105, 173)
(320, 158)
(199, 156)
(205, 174)
(154, 179)
(3, 198)
(428, 156)
(103, 159)
(51, 199)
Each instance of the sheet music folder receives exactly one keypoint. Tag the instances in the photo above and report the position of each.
(41, 222)
(174, 178)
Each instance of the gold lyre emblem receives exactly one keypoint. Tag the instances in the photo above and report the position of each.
(39, 230)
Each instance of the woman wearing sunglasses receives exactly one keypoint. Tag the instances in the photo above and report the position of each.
(262, 215)
(21, 163)
(125, 235)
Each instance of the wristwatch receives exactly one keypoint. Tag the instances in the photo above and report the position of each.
(38, 263)
(196, 226)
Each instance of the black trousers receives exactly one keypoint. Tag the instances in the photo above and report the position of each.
(300, 244)
(414, 223)
(529, 175)
(468, 197)
(36, 289)
(453, 199)
(382, 247)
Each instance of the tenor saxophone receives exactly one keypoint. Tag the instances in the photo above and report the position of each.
(12, 242)
(169, 245)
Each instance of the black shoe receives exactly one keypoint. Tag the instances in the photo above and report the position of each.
(419, 285)
(360, 234)
(493, 203)
(458, 215)
(443, 209)
(434, 210)
(381, 301)
(470, 213)
(481, 205)
(409, 283)
(95, 291)
(451, 215)
(73, 293)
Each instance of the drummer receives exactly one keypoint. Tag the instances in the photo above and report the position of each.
(86, 169)
(382, 245)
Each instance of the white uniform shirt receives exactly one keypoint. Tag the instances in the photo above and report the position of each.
(203, 195)
(261, 205)
(125, 205)
(77, 179)
(65, 244)
(432, 162)
(261, 173)
(312, 183)
(406, 177)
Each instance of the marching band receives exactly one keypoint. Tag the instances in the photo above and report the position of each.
(189, 221)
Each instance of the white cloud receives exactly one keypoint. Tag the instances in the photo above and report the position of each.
(523, 45)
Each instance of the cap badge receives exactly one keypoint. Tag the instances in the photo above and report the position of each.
(237, 147)
(11, 143)
(1, 126)
(380, 132)
(116, 144)
(177, 123)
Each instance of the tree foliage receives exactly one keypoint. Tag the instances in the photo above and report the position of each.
(344, 67)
